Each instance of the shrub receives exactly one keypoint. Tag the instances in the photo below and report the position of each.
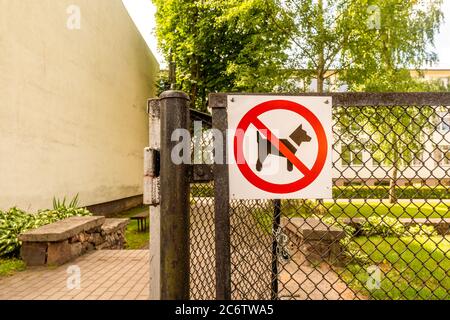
(357, 192)
(15, 221)
(352, 251)
(382, 226)
(421, 230)
(382, 192)
(12, 223)
(202, 190)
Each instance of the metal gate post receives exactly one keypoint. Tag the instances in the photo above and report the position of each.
(275, 230)
(174, 275)
(222, 200)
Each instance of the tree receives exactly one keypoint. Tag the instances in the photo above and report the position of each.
(358, 38)
(222, 45)
(321, 34)
(393, 135)
(402, 40)
(398, 133)
(371, 44)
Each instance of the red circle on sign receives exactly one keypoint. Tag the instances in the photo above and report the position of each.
(250, 117)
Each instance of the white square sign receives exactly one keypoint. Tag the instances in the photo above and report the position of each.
(279, 147)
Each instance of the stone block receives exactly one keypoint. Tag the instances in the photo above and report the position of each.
(62, 230)
(82, 237)
(76, 249)
(34, 253)
(443, 228)
(112, 225)
(316, 240)
(96, 239)
(87, 246)
(59, 252)
(73, 239)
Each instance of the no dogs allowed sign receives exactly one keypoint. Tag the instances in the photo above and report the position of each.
(280, 147)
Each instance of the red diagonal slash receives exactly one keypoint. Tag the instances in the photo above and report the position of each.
(281, 146)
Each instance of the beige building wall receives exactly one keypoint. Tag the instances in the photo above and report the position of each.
(433, 74)
(72, 103)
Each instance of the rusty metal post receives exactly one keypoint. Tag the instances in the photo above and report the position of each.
(174, 274)
(275, 229)
(219, 105)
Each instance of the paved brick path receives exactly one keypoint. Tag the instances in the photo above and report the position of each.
(105, 275)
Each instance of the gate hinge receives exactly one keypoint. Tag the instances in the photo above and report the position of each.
(151, 176)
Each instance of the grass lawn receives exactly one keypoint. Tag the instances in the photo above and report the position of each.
(361, 208)
(135, 238)
(411, 268)
(10, 266)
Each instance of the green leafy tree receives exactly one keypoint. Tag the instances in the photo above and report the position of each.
(401, 39)
(398, 134)
(361, 40)
(371, 44)
(321, 35)
(221, 45)
(393, 135)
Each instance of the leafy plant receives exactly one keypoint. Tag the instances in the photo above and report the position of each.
(421, 230)
(382, 226)
(62, 204)
(15, 221)
(352, 251)
(12, 223)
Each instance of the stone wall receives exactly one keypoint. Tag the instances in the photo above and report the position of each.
(314, 239)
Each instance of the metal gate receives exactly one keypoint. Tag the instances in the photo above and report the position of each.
(383, 235)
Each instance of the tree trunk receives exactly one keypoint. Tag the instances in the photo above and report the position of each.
(320, 208)
(321, 54)
(393, 184)
(394, 173)
(320, 81)
(194, 86)
(172, 72)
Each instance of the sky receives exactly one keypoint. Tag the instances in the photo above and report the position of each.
(143, 11)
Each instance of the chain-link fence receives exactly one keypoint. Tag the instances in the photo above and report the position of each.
(384, 234)
(202, 234)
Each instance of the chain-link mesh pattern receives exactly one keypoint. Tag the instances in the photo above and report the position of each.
(202, 245)
(250, 249)
(385, 233)
(202, 234)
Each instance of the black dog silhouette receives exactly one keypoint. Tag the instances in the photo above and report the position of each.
(265, 147)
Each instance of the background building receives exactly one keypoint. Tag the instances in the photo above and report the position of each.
(356, 164)
(72, 103)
